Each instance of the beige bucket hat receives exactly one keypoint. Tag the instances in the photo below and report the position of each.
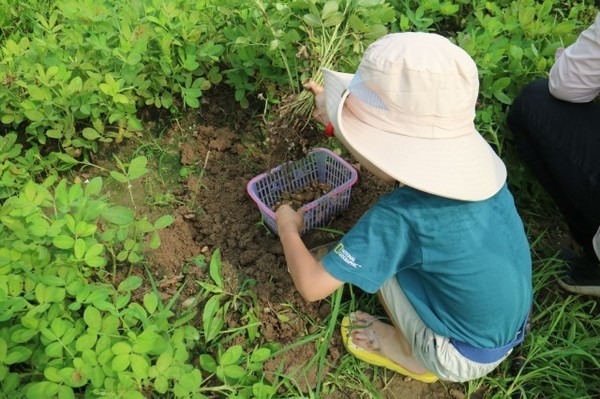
(409, 109)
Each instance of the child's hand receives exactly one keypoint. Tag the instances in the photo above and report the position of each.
(289, 220)
(320, 111)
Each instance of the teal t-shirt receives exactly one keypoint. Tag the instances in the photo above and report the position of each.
(464, 266)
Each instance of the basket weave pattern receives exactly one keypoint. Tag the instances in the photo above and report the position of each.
(321, 164)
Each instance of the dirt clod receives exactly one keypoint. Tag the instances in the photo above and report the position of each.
(297, 198)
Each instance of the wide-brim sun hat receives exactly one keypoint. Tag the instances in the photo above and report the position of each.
(409, 110)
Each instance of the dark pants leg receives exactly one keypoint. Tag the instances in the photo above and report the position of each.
(560, 141)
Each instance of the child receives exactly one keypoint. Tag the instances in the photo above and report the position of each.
(446, 250)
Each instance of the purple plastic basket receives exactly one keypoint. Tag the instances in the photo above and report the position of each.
(321, 164)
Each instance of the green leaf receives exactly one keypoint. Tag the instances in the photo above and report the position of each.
(38, 93)
(147, 342)
(94, 250)
(154, 241)
(79, 248)
(92, 318)
(63, 241)
(502, 97)
(161, 384)
(119, 215)
(17, 354)
(66, 158)
(121, 348)
(215, 268)
(58, 327)
(232, 355)
(139, 365)
(90, 134)
(130, 283)
(54, 134)
(34, 115)
(163, 222)
(312, 20)
(191, 101)
(120, 177)
(121, 98)
(137, 168)
(212, 323)
(95, 261)
(330, 8)
(260, 355)
(501, 84)
(164, 361)
(234, 371)
(3, 348)
(52, 374)
(150, 302)
(262, 390)
(120, 362)
(22, 335)
(55, 349)
(191, 381)
(65, 392)
(208, 363)
(85, 342)
(43, 389)
(94, 186)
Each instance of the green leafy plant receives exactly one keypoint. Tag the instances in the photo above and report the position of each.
(63, 333)
(135, 170)
(76, 72)
(337, 33)
(221, 301)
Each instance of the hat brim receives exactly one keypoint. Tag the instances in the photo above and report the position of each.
(463, 168)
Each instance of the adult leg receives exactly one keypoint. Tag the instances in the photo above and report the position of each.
(561, 143)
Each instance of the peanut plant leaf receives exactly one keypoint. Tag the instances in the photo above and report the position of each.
(137, 168)
(163, 222)
(312, 20)
(260, 355)
(154, 241)
(90, 134)
(95, 261)
(119, 215)
(79, 248)
(120, 362)
(17, 354)
(34, 115)
(63, 241)
(130, 283)
(150, 302)
(207, 362)
(139, 366)
(92, 318)
(120, 177)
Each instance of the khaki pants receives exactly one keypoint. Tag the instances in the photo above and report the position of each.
(431, 350)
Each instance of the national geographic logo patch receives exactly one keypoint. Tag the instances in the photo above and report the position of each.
(345, 256)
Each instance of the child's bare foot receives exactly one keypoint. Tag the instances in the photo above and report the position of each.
(382, 338)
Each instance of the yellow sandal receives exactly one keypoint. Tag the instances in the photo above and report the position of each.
(376, 359)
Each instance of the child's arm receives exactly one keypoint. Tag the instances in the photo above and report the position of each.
(311, 279)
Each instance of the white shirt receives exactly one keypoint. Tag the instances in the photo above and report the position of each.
(575, 75)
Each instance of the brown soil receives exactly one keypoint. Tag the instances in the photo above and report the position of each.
(230, 146)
